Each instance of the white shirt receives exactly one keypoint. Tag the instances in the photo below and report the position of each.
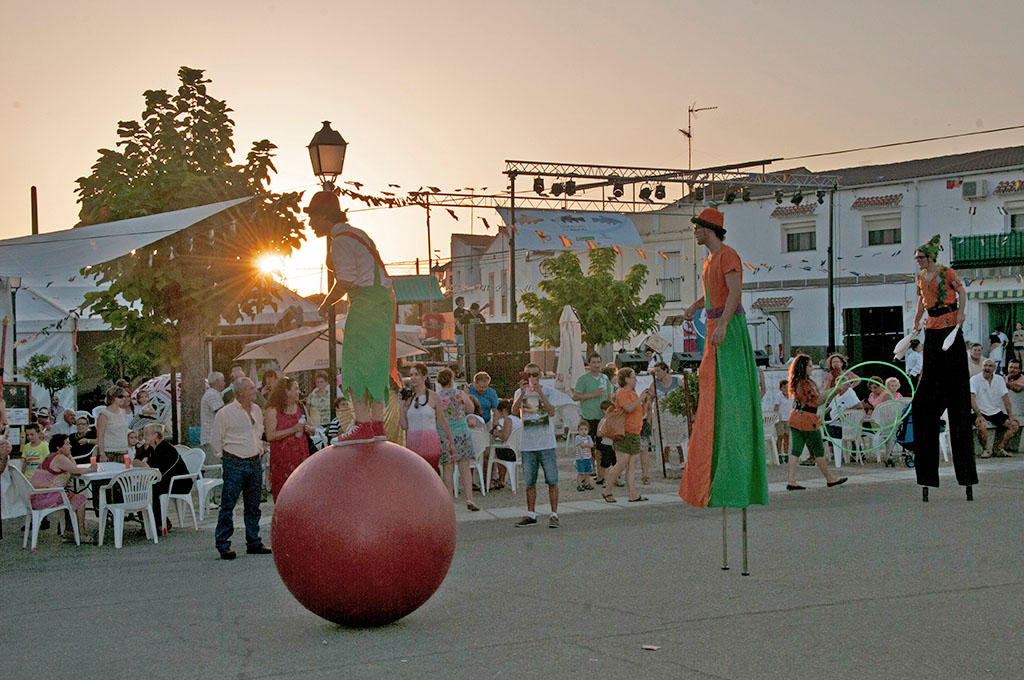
(538, 428)
(212, 402)
(915, 362)
(237, 431)
(989, 396)
(847, 399)
(60, 427)
(785, 405)
(352, 256)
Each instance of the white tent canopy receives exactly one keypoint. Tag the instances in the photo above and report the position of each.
(52, 286)
(62, 253)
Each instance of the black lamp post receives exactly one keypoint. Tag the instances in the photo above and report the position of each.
(327, 155)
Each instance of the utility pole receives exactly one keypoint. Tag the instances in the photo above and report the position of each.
(691, 113)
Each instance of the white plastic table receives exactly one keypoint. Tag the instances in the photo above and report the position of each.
(103, 472)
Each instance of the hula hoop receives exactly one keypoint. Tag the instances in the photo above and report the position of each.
(890, 430)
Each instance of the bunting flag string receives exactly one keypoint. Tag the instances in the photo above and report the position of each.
(618, 250)
(663, 254)
(591, 245)
(641, 253)
(452, 213)
(542, 235)
(565, 241)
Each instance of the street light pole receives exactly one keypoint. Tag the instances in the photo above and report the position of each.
(327, 155)
(15, 283)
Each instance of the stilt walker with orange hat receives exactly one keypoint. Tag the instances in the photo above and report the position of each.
(368, 357)
(945, 378)
(725, 463)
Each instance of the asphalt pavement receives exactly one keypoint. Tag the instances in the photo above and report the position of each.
(858, 581)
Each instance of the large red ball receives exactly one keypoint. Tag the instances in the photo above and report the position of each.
(363, 534)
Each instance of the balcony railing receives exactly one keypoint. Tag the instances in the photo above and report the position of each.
(988, 250)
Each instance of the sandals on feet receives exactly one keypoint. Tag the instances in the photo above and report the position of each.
(471, 506)
(608, 498)
(638, 499)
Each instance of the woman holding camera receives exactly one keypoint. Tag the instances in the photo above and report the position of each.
(419, 416)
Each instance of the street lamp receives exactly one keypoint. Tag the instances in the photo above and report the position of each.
(15, 283)
(327, 155)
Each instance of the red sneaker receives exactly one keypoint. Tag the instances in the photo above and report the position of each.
(379, 433)
(359, 433)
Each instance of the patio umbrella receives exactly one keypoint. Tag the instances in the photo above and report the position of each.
(570, 351)
(305, 349)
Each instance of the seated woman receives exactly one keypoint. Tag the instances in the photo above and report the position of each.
(55, 471)
(161, 455)
(83, 440)
(877, 396)
(474, 419)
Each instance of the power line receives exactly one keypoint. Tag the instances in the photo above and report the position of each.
(912, 141)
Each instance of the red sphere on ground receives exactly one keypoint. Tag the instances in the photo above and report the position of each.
(363, 534)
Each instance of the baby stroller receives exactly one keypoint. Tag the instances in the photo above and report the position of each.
(904, 438)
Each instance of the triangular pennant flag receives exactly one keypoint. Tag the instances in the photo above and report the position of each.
(591, 245)
(973, 210)
(641, 253)
(663, 254)
(452, 213)
(565, 241)
(543, 236)
(748, 266)
(484, 220)
(618, 251)
(1001, 210)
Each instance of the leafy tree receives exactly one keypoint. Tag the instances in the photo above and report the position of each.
(123, 359)
(609, 310)
(53, 377)
(179, 155)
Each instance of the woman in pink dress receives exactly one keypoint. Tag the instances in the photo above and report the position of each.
(287, 431)
(421, 414)
(55, 471)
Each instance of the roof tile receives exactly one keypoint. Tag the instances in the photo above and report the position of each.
(792, 210)
(887, 201)
(772, 302)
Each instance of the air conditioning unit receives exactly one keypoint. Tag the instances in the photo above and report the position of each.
(976, 188)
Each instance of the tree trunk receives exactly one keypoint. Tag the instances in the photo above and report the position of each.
(193, 371)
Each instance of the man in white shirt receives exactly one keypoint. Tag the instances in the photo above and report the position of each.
(915, 361)
(842, 401)
(990, 401)
(537, 446)
(65, 424)
(237, 437)
(208, 407)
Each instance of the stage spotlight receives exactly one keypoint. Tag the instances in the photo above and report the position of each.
(698, 194)
(745, 194)
(645, 194)
(659, 192)
(798, 198)
(570, 188)
(617, 190)
(821, 196)
(538, 185)
(556, 188)
(778, 196)
(730, 196)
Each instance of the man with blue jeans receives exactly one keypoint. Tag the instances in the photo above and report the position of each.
(237, 439)
(537, 445)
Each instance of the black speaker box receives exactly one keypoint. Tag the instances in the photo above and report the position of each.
(681, 360)
(500, 349)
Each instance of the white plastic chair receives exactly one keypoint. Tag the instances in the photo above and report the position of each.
(182, 449)
(944, 441)
(768, 421)
(24, 489)
(136, 487)
(481, 441)
(851, 446)
(569, 416)
(194, 459)
(319, 438)
(96, 413)
(514, 442)
(884, 416)
(205, 485)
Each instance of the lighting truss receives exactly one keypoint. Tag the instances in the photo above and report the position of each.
(725, 174)
(527, 201)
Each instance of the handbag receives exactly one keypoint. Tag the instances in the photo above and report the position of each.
(613, 425)
(309, 440)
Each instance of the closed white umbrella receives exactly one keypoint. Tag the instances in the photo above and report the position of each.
(570, 351)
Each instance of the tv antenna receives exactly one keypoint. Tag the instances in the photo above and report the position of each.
(691, 113)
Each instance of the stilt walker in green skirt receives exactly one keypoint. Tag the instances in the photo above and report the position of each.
(368, 359)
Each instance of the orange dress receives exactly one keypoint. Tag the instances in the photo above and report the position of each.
(929, 292)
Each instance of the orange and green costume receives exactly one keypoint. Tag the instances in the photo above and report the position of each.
(725, 464)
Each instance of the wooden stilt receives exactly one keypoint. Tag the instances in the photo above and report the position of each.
(745, 572)
(725, 548)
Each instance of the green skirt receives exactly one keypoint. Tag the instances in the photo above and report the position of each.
(366, 346)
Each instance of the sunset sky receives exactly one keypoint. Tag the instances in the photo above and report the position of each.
(441, 93)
